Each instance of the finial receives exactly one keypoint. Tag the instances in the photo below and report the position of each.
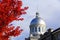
(37, 14)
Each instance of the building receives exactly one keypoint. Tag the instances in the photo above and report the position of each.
(51, 35)
(37, 27)
(38, 30)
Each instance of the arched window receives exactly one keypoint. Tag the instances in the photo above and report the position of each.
(39, 29)
(32, 29)
(35, 29)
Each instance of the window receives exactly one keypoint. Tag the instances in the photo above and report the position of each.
(39, 29)
(32, 29)
(59, 36)
(35, 29)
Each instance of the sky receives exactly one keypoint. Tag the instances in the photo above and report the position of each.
(49, 10)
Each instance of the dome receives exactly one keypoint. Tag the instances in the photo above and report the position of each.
(37, 26)
(37, 20)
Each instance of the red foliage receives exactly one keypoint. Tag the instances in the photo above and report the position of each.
(10, 10)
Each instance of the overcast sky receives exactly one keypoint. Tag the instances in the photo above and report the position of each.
(49, 10)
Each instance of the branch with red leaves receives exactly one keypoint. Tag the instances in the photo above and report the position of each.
(10, 10)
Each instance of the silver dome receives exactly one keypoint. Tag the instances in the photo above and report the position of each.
(37, 20)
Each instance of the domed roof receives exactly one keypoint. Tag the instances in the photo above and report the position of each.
(37, 20)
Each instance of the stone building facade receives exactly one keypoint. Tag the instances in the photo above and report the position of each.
(54, 35)
(50, 35)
